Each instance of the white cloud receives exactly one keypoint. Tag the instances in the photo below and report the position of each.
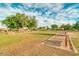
(64, 16)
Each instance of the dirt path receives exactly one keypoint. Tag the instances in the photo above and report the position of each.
(61, 40)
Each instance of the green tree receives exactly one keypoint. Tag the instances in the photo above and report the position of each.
(66, 27)
(10, 22)
(54, 27)
(32, 24)
(22, 19)
(42, 28)
(19, 21)
(76, 25)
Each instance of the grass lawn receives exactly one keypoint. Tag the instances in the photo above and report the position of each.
(29, 44)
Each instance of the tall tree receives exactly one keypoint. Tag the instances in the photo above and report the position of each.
(54, 26)
(19, 21)
(32, 23)
(10, 22)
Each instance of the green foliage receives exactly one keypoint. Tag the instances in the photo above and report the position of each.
(54, 27)
(66, 27)
(10, 22)
(19, 21)
(32, 23)
(42, 28)
(76, 25)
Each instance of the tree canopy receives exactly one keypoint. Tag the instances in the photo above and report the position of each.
(19, 21)
(76, 25)
(66, 27)
(54, 26)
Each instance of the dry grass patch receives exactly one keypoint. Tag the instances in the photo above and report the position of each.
(28, 43)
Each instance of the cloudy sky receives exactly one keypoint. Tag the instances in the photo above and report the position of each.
(46, 14)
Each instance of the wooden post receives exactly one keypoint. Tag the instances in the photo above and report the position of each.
(66, 37)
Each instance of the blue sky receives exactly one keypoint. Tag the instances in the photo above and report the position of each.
(46, 14)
